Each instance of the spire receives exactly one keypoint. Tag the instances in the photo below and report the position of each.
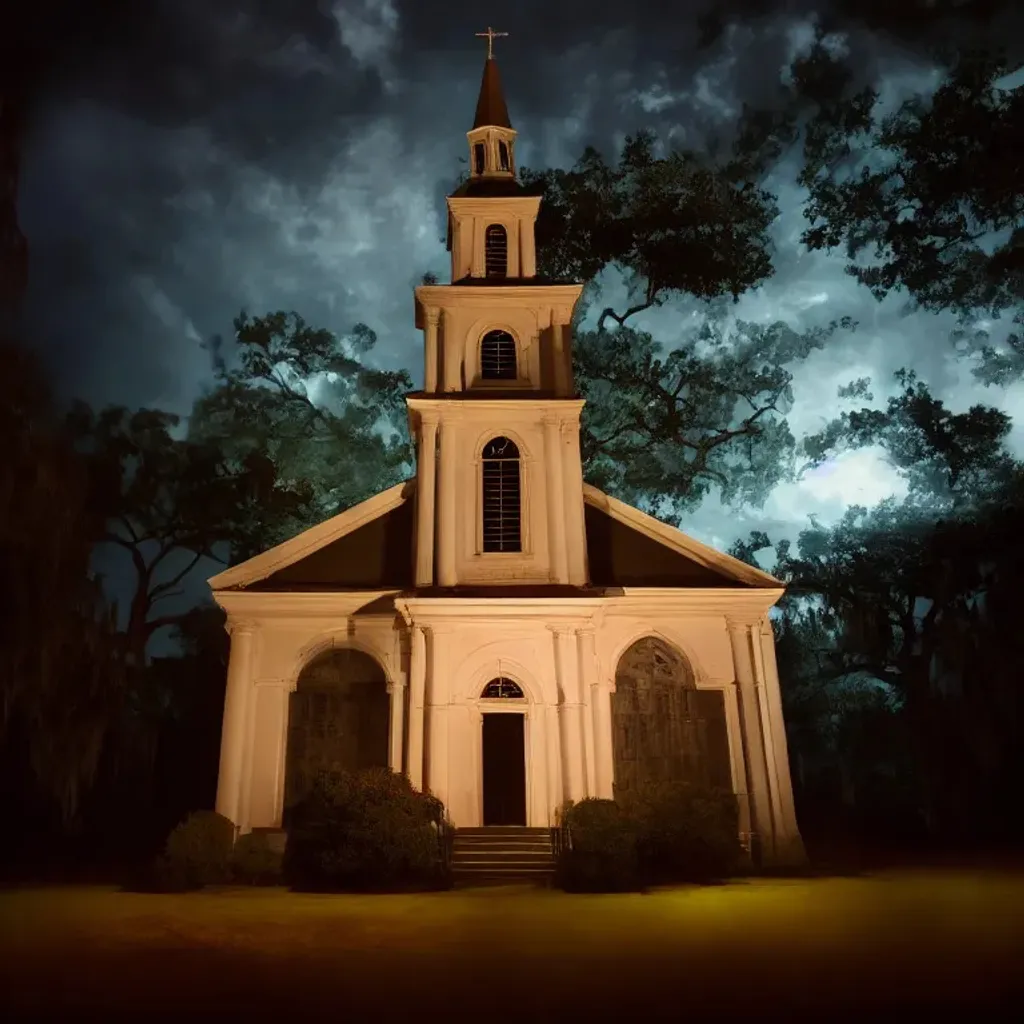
(491, 110)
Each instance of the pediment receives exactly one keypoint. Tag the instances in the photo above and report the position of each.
(628, 548)
(366, 547)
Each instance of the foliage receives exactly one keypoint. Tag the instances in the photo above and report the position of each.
(673, 224)
(305, 412)
(601, 856)
(255, 862)
(684, 833)
(200, 848)
(367, 830)
(932, 191)
(661, 428)
(61, 672)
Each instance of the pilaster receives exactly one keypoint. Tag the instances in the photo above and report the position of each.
(446, 526)
(430, 353)
(426, 474)
(569, 713)
(557, 552)
(417, 695)
(234, 738)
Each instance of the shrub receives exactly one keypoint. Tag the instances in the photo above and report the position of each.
(366, 830)
(255, 862)
(198, 850)
(601, 851)
(684, 833)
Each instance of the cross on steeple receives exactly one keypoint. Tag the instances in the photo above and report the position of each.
(490, 35)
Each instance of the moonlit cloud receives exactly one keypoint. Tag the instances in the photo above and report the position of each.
(298, 159)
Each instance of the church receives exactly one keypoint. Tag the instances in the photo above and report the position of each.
(507, 635)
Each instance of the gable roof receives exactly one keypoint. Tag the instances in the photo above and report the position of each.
(629, 547)
(316, 540)
(370, 546)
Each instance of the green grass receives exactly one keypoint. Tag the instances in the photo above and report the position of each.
(942, 937)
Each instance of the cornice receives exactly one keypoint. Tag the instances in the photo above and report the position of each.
(265, 605)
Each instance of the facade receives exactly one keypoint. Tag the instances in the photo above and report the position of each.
(507, 635)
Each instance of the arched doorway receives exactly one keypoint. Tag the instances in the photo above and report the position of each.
(504, 752)
(338, 719)
(663, 728)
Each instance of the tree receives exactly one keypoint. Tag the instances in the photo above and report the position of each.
(934, 192)
(61, 660)
(673, 225)
(301, 404)
(660, 429)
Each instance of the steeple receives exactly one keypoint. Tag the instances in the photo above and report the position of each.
(491, 111)
(499, 497)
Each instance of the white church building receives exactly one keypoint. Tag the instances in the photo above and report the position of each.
(508, 636)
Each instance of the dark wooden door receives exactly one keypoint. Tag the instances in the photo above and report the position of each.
(504, 770)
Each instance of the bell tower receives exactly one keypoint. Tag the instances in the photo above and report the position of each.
(499, 474)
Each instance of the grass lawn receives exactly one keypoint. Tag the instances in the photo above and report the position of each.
(948, 939)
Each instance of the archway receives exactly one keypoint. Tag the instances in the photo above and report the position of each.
(338, 719)
(663, 728)
(504, 753)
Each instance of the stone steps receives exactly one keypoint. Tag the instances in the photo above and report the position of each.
(502, 855)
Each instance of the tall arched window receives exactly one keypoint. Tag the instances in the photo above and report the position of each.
(495, 251)
(501, 496)
(498, 356)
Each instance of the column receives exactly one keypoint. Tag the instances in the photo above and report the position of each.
(436, 740)
(556, 788)
(396, 723)
(569, 717)
(557, 554)
(451, 363)
(236, 715)
(742, 637)
(789, 847)
(600, 783)
(433, 317)
(417, 689)
(527, 249)
(270, 729)
(587, 669)
(575, 527)
(446, 524)
(426, 472)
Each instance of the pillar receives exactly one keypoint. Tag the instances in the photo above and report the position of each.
(430, 360)
(446, 524)
(417, 689)
(557, 553)
(585, 667)
(396, 723)
(742, 637)
(575, 526)
(556, 788)
(599, 730)
(569, 717)
(789, 847)
(269, 749)
(236, 716)
(426, 472)
(436, 740)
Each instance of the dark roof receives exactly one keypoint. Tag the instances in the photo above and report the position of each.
(490, 107)
(488, 188)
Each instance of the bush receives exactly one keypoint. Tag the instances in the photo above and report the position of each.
(601, 851)
(198, 850)
(255, 862)
(684, 833)
(366, 830)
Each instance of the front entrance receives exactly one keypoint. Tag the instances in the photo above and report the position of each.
(504, 769)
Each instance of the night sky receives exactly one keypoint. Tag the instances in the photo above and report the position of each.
(189, 158)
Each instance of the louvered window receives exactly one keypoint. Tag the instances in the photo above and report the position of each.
(502, 496)
(498, 356)
(502, 688)
(496, 251)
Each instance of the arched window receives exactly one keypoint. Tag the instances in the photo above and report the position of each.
(503, 155)
(501, 494)
(502, 689)
(495, 251)
(498, 356)
(478, 157)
